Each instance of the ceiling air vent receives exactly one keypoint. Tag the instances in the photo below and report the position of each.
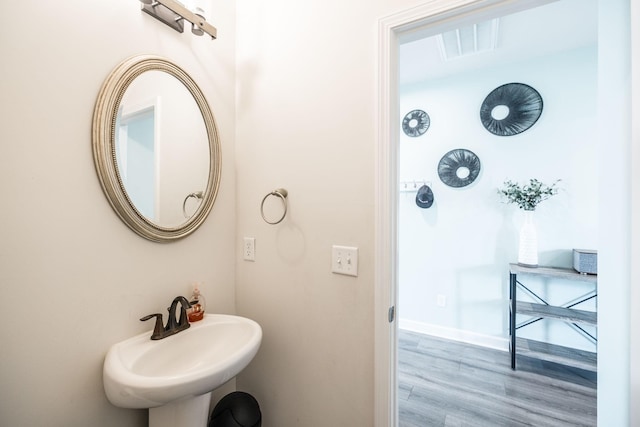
(469, 40)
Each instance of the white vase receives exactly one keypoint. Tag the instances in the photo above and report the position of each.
(528, 247)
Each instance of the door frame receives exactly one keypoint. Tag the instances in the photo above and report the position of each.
(634, 300)
(428, 19)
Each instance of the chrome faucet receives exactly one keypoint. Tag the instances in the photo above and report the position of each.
(173, 326)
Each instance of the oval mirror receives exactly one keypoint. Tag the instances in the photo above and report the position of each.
(156, 148)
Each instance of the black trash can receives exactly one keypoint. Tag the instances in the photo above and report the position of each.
(236, 409)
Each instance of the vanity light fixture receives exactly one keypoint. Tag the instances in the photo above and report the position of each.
(174, 13)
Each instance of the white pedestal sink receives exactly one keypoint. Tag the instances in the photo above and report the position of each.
(174, 376)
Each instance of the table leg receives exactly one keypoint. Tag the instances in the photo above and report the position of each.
(512, 318)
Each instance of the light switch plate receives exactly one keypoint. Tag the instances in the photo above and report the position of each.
(344, 260)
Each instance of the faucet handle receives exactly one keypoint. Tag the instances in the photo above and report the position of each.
(184, 305)
(158, 330)
(171, 318)
(184, 317)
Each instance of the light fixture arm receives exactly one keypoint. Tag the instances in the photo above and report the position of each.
(173, 14)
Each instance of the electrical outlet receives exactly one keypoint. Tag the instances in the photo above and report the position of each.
(441, 300)
(344, 260)
(249, 249)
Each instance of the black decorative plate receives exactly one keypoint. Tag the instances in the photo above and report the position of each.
(415, 123)
(459, 168)
(511, 109)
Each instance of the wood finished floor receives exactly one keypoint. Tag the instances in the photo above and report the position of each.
(452, 384)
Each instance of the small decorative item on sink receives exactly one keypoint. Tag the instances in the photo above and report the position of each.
(198, 305)
(527, 197)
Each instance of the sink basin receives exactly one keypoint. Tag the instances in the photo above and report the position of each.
(141, 373)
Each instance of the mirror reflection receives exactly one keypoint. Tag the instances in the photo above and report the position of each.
(161, 148)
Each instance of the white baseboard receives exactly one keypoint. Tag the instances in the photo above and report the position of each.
(490, 341)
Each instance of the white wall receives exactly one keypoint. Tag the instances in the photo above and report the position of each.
(73, 278)
(306, 122)
(461, 246)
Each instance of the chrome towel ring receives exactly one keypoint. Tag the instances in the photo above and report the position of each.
(282, 194)
(197, 195)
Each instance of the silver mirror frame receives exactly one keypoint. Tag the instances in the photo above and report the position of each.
(104, 154)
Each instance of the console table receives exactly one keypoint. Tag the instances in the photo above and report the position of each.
(540, 310)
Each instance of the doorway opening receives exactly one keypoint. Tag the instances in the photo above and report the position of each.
(437, 18)
(539, 90)
(137, 158)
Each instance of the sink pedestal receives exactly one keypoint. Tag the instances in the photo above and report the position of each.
(190, 411)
